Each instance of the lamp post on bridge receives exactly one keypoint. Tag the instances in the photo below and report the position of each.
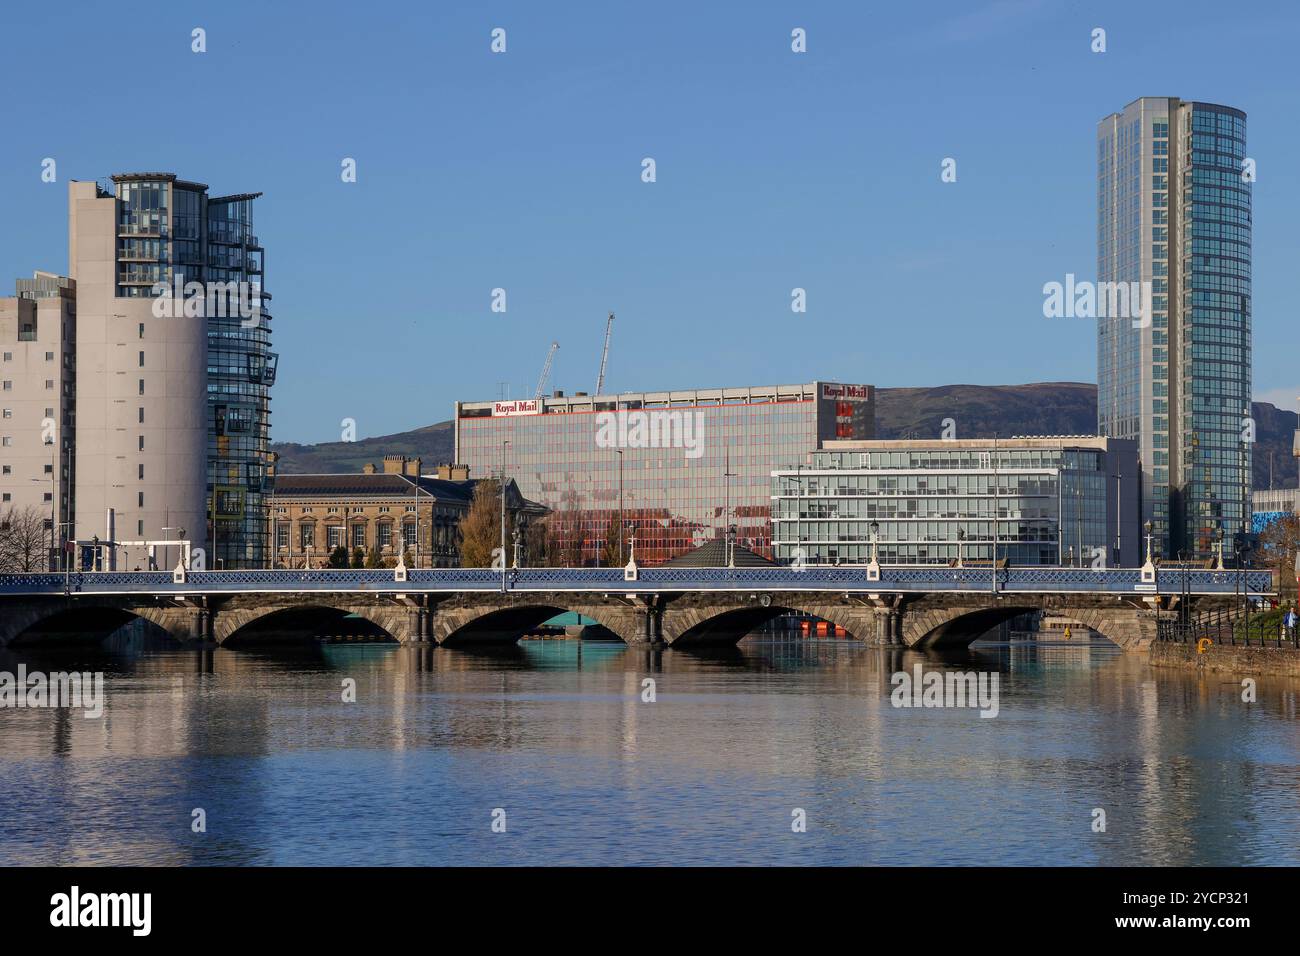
(504, 444)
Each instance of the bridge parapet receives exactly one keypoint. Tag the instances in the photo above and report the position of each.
(893, 580)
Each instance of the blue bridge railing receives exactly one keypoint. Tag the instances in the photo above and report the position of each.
(1127, 581)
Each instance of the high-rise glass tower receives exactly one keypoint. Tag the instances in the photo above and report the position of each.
(1173, 210)
(175, 402)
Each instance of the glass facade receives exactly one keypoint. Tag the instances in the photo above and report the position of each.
(586, 457)
(169, 231)
(241, 371)
(1042, 501)
(1174, 209)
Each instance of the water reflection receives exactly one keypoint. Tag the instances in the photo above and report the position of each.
(557, 733)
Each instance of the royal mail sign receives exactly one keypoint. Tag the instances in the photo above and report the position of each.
(846, 393)
(522, 406)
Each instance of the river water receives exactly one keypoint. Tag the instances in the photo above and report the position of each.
(553, 741)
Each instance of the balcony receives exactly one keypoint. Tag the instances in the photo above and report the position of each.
(142, 229)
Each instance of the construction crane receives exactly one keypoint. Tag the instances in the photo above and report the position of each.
(546, 369)
(604, 355)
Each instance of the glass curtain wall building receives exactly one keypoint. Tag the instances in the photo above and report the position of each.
(171, 232)
(241, 371)
(1174, 210)
(681, 467)
(1038, 501)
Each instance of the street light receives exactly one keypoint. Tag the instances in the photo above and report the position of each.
(726, 517)
(504, 444)
(619, 452)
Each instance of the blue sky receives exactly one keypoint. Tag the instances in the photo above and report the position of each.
(522, 171)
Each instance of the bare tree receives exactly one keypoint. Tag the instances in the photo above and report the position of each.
(24, 541)
(1279, 543)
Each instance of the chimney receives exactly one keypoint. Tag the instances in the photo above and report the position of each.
(368, 469)
(453, 472)
(394, 464)
(412, 467)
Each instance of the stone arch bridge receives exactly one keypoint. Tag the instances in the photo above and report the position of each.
(913, 607)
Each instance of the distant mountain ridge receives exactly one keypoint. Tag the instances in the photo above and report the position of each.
(977, 411)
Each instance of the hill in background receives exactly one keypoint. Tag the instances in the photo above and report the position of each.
(977, 411)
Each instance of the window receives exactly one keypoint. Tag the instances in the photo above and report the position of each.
(9, 386)
(141, 416)
(139, 499)
(9, 413)
(6, 441)
(6, 470)
(47, 496)
(358, 536)
(7, 497)
(49, 469)
(385, 537)
(141, 330)
(142, 443)
(142, 360)
(140, 471)
(141, 386)
(282, 537)
(49, 383)
(49, 356)
(307, 536)
(334, 535)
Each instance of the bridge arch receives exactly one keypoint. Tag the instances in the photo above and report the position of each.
(301, 622)
(490, 623)
(714, 624)
(236, 626)
(946, 628)
(35, 621)
(939, 627)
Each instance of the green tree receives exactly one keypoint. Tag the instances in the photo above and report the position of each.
(358, 558)
(480, 529)
(372, 559)
(339, 557)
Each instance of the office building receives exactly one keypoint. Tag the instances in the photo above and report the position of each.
(393, 509)
(1174, 212)
(1034, 501)
(1273, 505)
(680, 467)
(173, 390)
(37, 404)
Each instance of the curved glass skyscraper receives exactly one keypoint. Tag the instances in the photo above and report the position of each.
(174, 393)
(1174, 210)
